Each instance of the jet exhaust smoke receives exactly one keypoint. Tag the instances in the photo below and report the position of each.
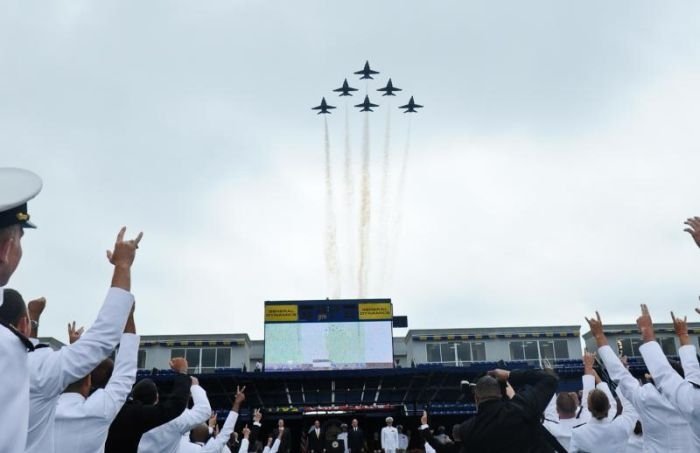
(349, 197)
(384, 206)
(332, 265)
(365, 213)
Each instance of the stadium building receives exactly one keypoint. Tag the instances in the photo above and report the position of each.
(338, 360)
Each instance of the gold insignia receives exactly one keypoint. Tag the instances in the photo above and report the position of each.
(22, 217)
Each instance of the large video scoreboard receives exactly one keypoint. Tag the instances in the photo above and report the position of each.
(328, 334)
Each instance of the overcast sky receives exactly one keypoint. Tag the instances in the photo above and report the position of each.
(549, 173)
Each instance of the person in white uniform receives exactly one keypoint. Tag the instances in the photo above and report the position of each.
(166, 438)
(390, 436)
(17, 187)
(664, 429)
(601, 434)
(83, 419)
(51, 371)
(200, 444)
(682, 393)
(564, 420)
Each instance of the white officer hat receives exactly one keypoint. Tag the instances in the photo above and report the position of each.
(17, 187)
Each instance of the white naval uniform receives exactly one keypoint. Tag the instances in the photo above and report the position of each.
(561, 429)
(390, 439)
(166, 437)
(665, 430)
(50, 372)
(344, 437)
(682, 394)
(605, 436)
(588, 385)
(14, 391)
(82, 424)
(215, 444)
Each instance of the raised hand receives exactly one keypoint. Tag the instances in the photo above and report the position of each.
(596, 326)
(212, 420)
(35, 308)
(257, 415)
(179, 364)
(194, 380)
(694, 229)
(246, 432)
(424, 418)
(681, 328)
(124, 251)
(73, 333)
(645, 325)
(588, 362)
(239, 398)
(501, 375)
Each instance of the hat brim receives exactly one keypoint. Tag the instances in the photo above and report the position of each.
(28, 224)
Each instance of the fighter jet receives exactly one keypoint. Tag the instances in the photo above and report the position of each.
(366, 72)
(345, 90)
(389, 89)
(411, 106)
(323, 108)
(366, 105)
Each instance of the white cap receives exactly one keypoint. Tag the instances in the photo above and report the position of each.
(17, 186)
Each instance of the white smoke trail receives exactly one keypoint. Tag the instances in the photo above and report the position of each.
(349, 200)
(395, 230)
(365, 213)
(332, 265)
(384, 206)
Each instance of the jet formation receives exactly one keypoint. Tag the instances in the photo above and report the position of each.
(366, 106)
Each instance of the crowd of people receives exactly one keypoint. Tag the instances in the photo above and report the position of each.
(76, 399)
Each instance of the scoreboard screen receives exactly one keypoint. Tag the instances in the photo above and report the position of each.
(328, 335)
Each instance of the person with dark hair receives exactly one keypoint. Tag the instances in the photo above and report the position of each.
(200, 439)
(682, 393)
(286, 439)
(565, 421)
(166, 437)
(665, 430)
(17, 187)
(144, 410)
(356, 438)
(83, 419)
(603, 432)
(50, 372)
(315, 438)
(506, 425)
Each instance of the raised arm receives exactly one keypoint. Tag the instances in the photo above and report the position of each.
(174, 404)
(682, 395)
(537, 388)
(687, 354)
(199, 413)
(215, 444)
(71, 363)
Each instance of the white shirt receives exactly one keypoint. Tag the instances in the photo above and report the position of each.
(166, 437)
(680, 392)
(50, 371)
(215, 444)
(14, 391)
(636, 444)
(562, 429)
(82, 424)
(390, 438)
(665, 430)
(344, 437)
(605, 436)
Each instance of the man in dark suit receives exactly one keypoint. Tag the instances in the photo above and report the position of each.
(356, 438)
(506, 425)
(285, 436)
(315, 438)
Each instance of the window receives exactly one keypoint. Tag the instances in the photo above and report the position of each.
(203, 360)
(539, 350)
(630, 346)
(455, 353)
(668, 345)
(141, 361)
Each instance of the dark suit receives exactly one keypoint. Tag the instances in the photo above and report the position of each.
(135, 418)
(511, 426)
(356, 440)
(285, 442)
(315, 441)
